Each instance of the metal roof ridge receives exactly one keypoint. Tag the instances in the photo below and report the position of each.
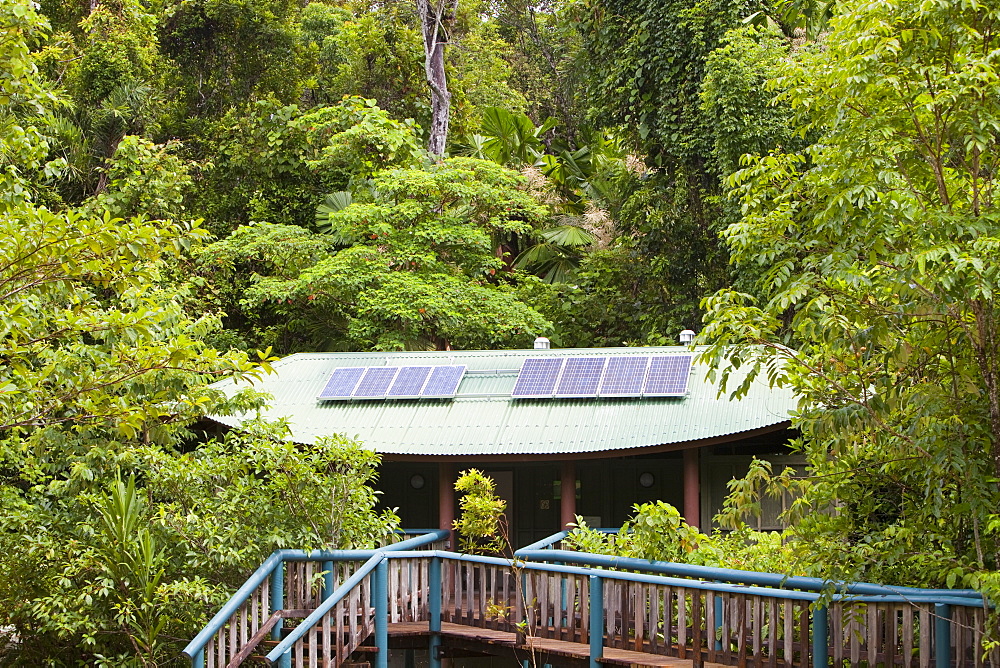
(503, 352)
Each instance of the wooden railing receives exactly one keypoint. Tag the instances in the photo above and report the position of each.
(288, 587)
(339, 631)
(249, 622)
(332, 606)
(711, 621)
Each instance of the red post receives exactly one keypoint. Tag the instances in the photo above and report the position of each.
(692, 488)
(446, 498)
(567, 493)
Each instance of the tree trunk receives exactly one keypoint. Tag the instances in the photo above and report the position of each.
(436, 19)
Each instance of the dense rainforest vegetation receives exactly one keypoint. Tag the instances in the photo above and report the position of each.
(191, 187)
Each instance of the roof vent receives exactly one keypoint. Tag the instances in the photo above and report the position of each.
(542, 343)
(687, 336)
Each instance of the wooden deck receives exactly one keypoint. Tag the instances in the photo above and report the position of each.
(557, 652)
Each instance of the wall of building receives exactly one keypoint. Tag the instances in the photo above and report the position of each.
(607, 489)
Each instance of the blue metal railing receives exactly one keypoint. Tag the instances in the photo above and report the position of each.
(819, 622)
(281, 654)
(776, 580)
(597, 569)
(273, 568)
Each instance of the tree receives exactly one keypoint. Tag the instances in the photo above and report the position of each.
(649, 61)
(229, 53)
(111, 547)
(414, 261)
(876, 249)
(547, 60)
(274, 163)
(436, 20)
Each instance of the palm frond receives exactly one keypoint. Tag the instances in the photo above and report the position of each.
(333, 203)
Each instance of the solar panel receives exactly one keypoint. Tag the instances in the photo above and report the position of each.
(537, 377)
(409, 381)
(668, 375)
(624, 376)
(375, 383)
(443, 381)
(342, 383)
(580, 377)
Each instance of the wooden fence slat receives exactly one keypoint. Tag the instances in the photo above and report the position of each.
(327, 645)
(652, 612)
(669, 617)
(773, 624)
(789, 624)
(740, 626)
(757, 612)
(682, 622)
(907, 635)
(804, 636)
(696, 626)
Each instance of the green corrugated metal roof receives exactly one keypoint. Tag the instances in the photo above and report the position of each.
(484, 420)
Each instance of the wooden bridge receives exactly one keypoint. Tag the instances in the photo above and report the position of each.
(333, 608)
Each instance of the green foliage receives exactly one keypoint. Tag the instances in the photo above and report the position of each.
(119, 577)
(651, 62)
(658, 532)
(118, 50)
(276, 164)
(481, 524)
(876, 251)
(480, 77)
(509, 139)
(557, 254)
(377, 54)
(648, 59)
(421, 268)
(547, 61)
(737, 97)
(142, 178)
(228, 53)
(133, 563)
(256, 483)
(103, 380)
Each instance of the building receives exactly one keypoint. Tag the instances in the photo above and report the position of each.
(679, 442)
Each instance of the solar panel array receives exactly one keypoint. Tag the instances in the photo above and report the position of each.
(539, 378)
(393, 382)
(619, 376)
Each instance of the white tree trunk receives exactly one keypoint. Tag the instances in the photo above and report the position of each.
(436, 16)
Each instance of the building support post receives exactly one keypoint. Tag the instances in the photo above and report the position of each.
(446, 500)
(277, 597)
(567, 494)
(596, 621)
(821, 638)
(380, 594)
(328, 567)
(942, 634)
(692, 488)
(434, 593)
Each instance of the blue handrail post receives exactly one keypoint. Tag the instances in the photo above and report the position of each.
(198, 660)
(277, 596)
(718, 622)
(285, 661)
(327, 579)
(381, 596)
(942, 635)
(596, 620)
(434, 603)
(821, 637)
